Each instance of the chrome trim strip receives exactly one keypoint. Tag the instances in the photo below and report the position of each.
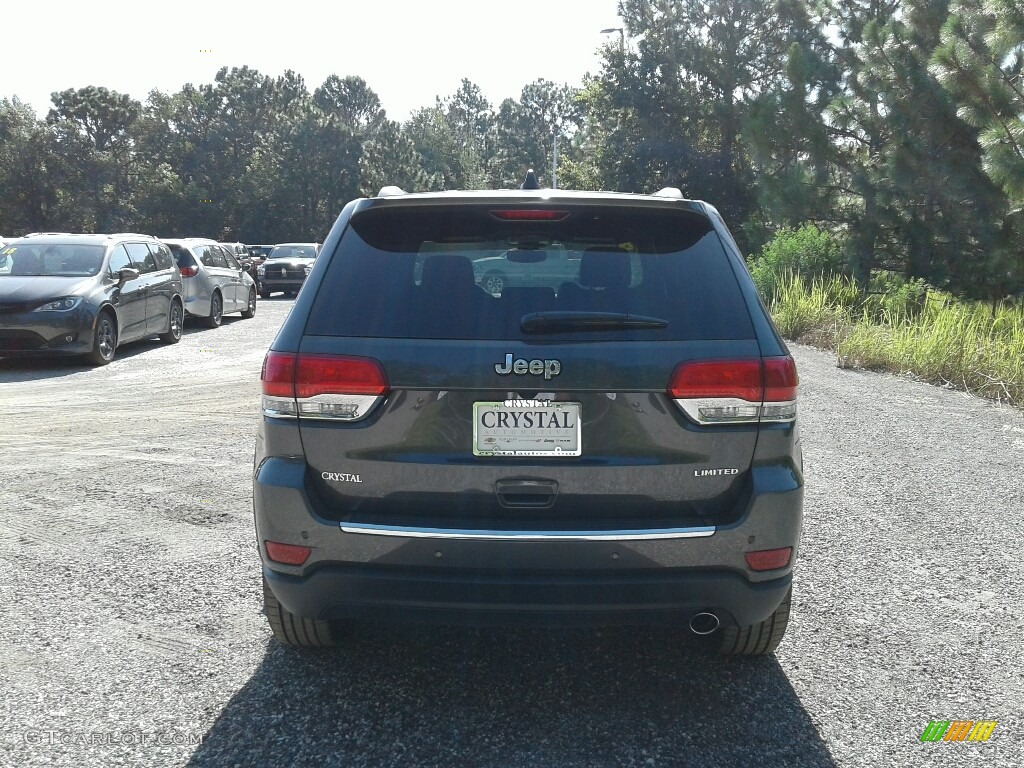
(457, 533)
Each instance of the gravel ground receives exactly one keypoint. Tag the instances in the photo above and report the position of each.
(132, 635)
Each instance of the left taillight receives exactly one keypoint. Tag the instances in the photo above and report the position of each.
(736, 391)
(334, 387)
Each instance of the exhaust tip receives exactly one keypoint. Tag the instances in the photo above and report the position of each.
(704, 623)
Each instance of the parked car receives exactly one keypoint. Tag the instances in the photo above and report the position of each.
(260, 251)
(614, 443)
(85, 294)
(215, 283)
(244, 257)
(286, 268)
(526, 268)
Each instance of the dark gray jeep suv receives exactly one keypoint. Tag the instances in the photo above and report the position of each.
(617, 446)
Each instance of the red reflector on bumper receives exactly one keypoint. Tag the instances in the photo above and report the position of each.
(768, 559)
(289, 554)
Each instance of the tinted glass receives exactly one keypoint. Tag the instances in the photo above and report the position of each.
(230, 261)
(293, 252)
(162, 255)
(461, 273)
(219, 256)
(118, 260)
(203, 253)
(182, 256)
(142, 259)
(46, 258)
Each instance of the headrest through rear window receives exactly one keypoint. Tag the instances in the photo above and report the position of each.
(605, 267)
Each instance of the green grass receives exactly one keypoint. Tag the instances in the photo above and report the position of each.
(937, 339)
(820, 309)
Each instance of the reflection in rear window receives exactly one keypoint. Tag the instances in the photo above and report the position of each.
(459, 273)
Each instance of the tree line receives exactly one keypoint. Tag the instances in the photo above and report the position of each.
(897, 125)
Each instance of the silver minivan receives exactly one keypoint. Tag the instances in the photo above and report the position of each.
(215, 283)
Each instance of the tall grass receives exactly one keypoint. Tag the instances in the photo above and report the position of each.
(926, 334)
(821, 307)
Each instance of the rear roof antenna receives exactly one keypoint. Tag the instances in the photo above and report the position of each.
(530, 182)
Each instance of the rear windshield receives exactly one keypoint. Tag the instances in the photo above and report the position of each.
(182, 256)
(464, 273)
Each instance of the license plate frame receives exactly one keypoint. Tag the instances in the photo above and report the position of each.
(547, 429)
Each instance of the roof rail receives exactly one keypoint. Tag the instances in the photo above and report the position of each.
(674, 192)
(391, 191)
(89, 234)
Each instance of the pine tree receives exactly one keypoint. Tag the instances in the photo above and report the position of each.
(981, 63)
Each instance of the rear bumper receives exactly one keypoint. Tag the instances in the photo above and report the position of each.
(626, 578)
(479, 598)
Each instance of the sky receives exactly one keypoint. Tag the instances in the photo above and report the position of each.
(409, 52)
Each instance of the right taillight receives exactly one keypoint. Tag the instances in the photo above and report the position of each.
(333, 387)
(780, 382)
(188, 271)
(736, 391)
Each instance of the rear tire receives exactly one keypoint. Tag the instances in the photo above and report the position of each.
(175, 318)
(264, 294)
(757, 639)
(250, 307)
(290, 629)
(104, 339)
(216, 312)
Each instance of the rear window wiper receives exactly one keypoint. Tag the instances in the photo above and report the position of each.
(558, 322)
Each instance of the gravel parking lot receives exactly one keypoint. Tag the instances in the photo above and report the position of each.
(131, 631)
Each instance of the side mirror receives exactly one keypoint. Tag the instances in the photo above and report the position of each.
(126, 275)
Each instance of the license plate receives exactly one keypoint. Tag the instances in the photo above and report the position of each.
(526, 428)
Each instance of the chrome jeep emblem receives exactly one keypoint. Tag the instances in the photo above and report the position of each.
(547, 368)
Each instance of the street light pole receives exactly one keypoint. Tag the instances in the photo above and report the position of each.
(622, 36)
(554, 159)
